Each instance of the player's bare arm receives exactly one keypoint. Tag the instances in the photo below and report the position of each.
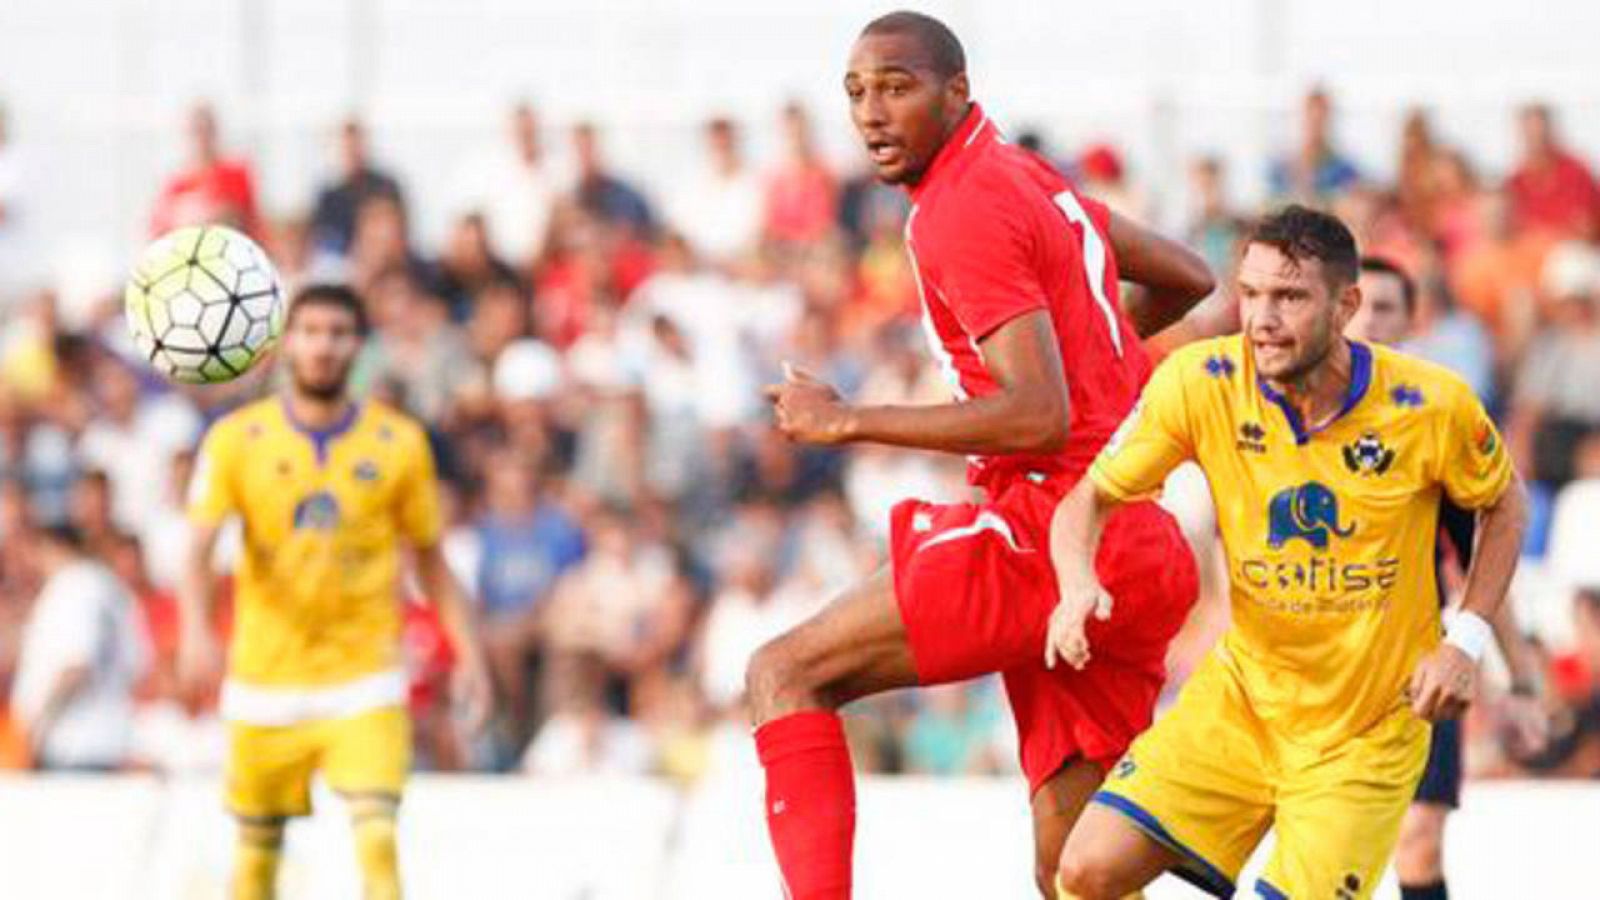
(1446, 680)
(1074, 537)
(1170, 277)
(1027, 414)
(199, 656)
(470, 685)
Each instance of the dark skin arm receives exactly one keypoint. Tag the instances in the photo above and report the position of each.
(1027, 414)
(1171, 277)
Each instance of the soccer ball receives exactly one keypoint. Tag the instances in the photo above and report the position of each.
(204, 304)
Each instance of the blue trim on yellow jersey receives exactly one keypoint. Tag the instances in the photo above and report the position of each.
(1195, 869)
(322, 437)
(1360, 380)
(1266, 890)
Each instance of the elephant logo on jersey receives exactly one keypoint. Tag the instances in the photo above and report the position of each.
(319, 511)
(1309, 512)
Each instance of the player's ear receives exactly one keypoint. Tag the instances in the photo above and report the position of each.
(1348, 302)
(958, 89)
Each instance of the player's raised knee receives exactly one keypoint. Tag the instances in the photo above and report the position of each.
(775, 680)
(1086, 877)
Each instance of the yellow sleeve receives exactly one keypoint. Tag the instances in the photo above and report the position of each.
(1475, 467)
(421, 522)
(213, 496)
(1152, 441)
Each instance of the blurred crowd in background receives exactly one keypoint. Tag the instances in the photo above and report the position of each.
(588, 359)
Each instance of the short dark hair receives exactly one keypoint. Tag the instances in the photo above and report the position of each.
(1302, 233)
(1379, 265)
(64, 535)
(944, 48)
(331, 295)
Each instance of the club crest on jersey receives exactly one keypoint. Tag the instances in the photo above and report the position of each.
(318, 511)
(1309, 512)
(366, 470)
(1367, 455)
(1252, 437)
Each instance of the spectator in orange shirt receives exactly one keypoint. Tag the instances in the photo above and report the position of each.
(213, 190)
(1496, 274)
(802, 195)
(1552, 190)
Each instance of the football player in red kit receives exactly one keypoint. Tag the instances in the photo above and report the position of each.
(1019, 282)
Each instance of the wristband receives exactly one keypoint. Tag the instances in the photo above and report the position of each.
(1469, 633)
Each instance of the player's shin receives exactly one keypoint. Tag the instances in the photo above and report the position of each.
(374, 823)
(255, 864)
(810, 801)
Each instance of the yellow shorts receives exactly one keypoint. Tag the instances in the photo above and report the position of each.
(270, 767)
(1209, 779)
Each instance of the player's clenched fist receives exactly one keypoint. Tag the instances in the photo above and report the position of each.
(808, 410)
(1067, 640)
(1443, 684)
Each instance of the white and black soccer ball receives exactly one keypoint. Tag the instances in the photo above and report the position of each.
(204, 304)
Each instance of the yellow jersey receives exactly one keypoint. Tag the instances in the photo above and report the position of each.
(317, 592)
(1330, 533)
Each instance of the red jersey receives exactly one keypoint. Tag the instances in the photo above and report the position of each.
(994, 232)
(221, 193)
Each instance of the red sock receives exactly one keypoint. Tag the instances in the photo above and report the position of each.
(811, 802)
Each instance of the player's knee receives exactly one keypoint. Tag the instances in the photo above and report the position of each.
(1086, 877)
(377, 852)
(1419, 858)
(777, 681)
(1044, 878)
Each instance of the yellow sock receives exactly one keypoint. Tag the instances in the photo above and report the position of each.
(375, 848)
(255, 865)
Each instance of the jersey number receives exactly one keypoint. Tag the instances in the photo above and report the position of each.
(1094, 261)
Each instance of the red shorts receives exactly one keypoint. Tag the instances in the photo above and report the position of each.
(976, 588)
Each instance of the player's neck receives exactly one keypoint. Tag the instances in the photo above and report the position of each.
(1319, 393)
(315, 413)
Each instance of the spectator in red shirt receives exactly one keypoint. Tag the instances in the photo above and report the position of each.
(1552, 190)
(802, 195)
(213, 190)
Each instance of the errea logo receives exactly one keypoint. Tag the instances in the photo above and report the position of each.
(1252, 437)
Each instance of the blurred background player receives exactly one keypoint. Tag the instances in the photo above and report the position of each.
(329, 491)
(1387, 315)
(1018, 276)
(1332, 454)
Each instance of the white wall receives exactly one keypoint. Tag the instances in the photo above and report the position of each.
(96, 87)
(465, 838)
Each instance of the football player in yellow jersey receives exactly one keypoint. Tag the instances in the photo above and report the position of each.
(1327, 459)
(330, 491)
